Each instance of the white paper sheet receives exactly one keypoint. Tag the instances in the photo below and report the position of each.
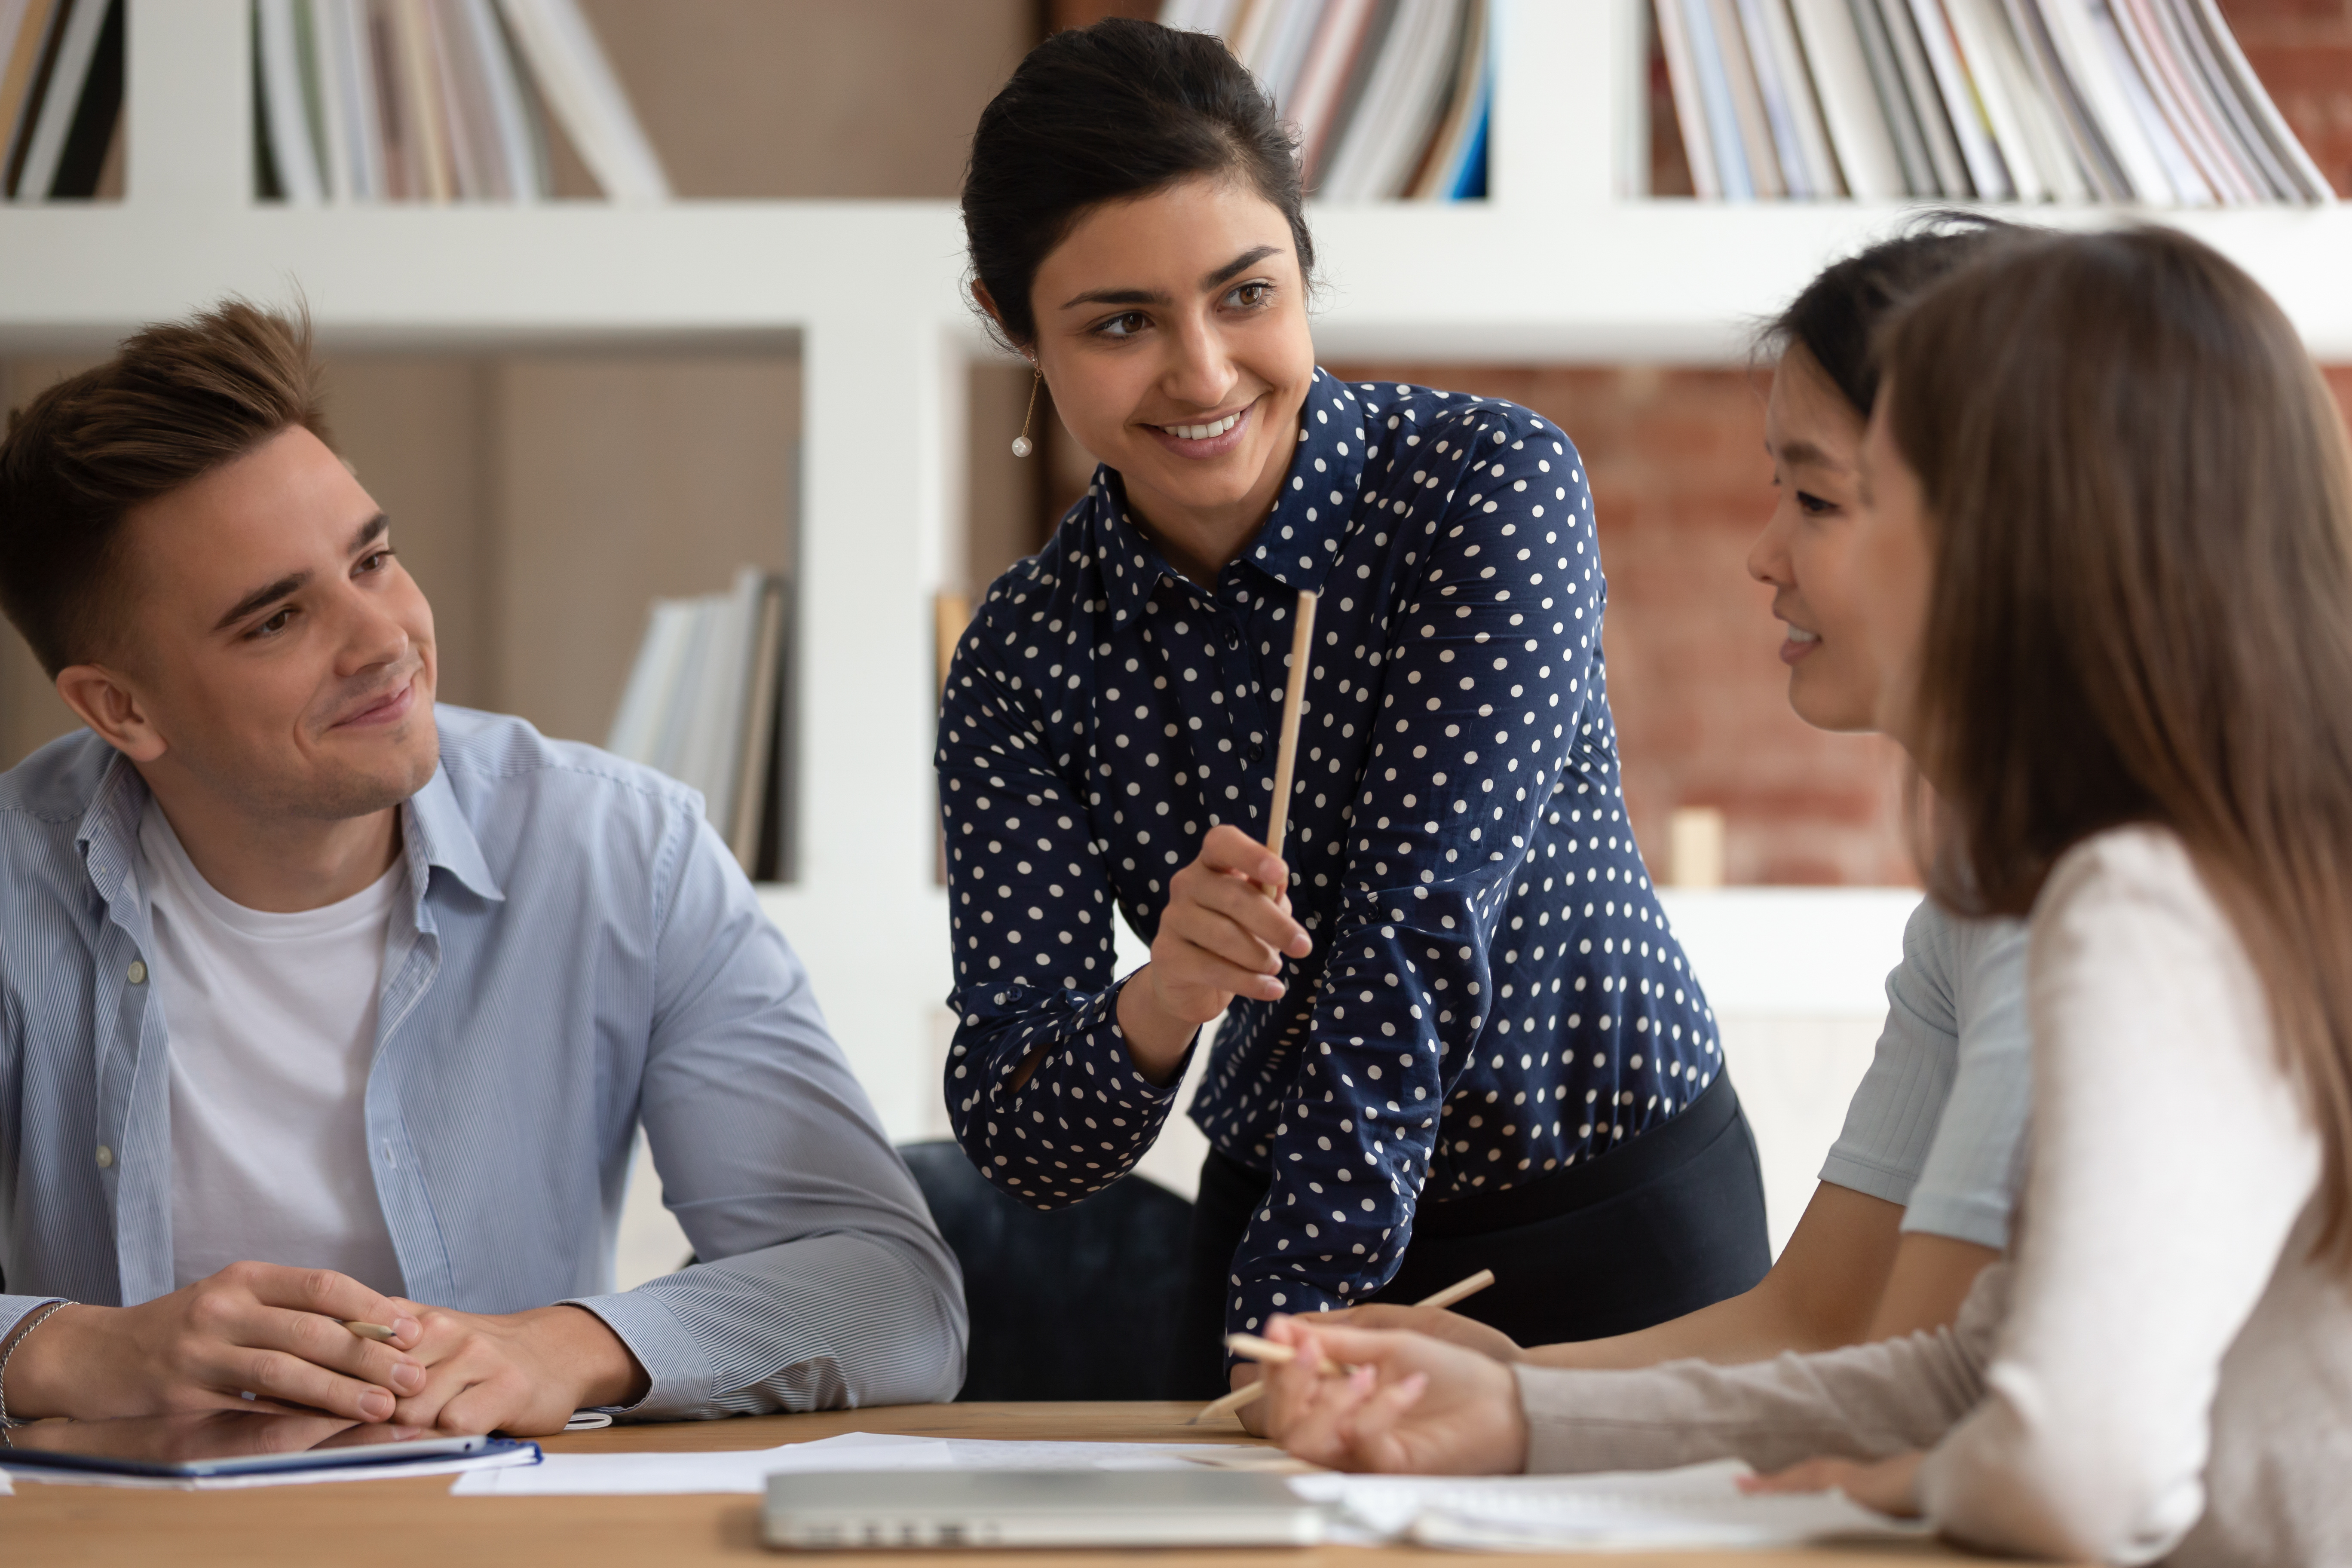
(1693, 1508)
(524, 1459)
(747, 1470)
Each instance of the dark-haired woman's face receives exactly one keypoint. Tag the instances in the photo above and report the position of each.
(1172, 330)
(1894, 566)
(1806, 552)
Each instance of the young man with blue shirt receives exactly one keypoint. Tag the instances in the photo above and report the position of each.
(319, 1004)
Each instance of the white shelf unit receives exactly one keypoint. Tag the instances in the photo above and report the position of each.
(1557, 266)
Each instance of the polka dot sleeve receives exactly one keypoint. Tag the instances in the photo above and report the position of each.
(1040, 1089)
(1479, 702)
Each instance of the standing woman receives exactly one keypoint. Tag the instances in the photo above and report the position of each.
(1465, 1035)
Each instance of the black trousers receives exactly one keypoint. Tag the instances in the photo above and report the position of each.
(1672, 1222)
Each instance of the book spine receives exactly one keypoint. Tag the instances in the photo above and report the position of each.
(1690, 111)
(2198, 125)
(279, 84)
(578, 83)
(1856, 122)
(1973, 48)
(508, 116)
(1764, 171)
(97, 111)
(1774, 92)
(2270, 174)
(1927, 101)
(1707, 47)
(1804, 103)
(1435, 179)
(1902, 120)
(2061, 92)
(69, 69)
(319, 111)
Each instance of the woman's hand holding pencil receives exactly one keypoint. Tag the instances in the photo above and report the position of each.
(1269, 1353)
(1406, 1405)
(1226, 927)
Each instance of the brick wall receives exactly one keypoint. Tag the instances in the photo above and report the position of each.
(2303, 51)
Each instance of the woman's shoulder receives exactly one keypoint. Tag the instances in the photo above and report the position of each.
(1406, 424)
(1961, 952)
(1050, 587)
(2139, 867)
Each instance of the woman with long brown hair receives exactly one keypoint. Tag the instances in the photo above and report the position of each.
(2108, 512)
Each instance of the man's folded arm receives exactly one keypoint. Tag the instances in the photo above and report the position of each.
(826, 1283)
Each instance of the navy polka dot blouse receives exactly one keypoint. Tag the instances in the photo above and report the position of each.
(1494, 993)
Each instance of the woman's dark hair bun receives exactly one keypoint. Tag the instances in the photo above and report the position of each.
(1107, 113)
(1837, 317)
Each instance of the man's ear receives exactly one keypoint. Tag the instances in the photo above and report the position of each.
(107, 704)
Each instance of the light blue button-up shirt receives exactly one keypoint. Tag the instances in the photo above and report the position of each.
(577, 955)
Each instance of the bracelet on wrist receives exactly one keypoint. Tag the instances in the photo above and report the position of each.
(16, 1344)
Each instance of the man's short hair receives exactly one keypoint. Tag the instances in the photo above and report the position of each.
(177, 401)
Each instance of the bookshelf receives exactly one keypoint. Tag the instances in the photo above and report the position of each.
(1560, 263)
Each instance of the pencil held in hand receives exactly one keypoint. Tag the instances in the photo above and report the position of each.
(1294, 698)
(375, 1332)
(1272, 1354)
(1459, 1289)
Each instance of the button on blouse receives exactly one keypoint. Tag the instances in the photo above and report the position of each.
(1494, 993)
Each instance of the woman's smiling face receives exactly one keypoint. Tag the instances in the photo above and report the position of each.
(1172, 330)
(1807, 551)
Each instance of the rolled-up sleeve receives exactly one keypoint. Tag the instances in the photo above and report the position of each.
(826, 1283)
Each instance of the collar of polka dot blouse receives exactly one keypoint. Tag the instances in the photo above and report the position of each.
(1301, 535)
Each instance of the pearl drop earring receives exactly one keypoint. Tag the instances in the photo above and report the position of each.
(1022, 445)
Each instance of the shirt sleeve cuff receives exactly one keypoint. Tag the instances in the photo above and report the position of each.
(677, 1371)
(1871, 1181)
(1977, 1220)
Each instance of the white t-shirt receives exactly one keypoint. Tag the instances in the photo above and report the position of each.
(271, 1024)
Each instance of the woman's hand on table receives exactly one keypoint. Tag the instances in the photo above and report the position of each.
(1409, 1404)
(1436, 1323)
(1890, 1486)
(1219, 936)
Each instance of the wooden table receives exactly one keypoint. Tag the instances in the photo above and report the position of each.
(415, 1523)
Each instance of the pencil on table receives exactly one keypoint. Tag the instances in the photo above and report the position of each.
(1267, 1351)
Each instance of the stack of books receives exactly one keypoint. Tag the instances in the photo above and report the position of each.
(705, 703)
(1390, 97)
(2030, 101)
(60, 94)
(438, 100)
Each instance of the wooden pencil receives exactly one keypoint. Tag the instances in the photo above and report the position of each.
(1266, 1351)
(1294, 698)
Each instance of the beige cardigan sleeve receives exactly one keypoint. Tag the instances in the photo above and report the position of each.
(2171, 1159)
(1864, 1401)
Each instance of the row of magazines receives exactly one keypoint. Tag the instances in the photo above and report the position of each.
(438, 101)
(2070, 101)
(1390, 99)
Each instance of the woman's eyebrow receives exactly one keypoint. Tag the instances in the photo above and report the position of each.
(1247, 260)
(1242, 263)
(1795, 452)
